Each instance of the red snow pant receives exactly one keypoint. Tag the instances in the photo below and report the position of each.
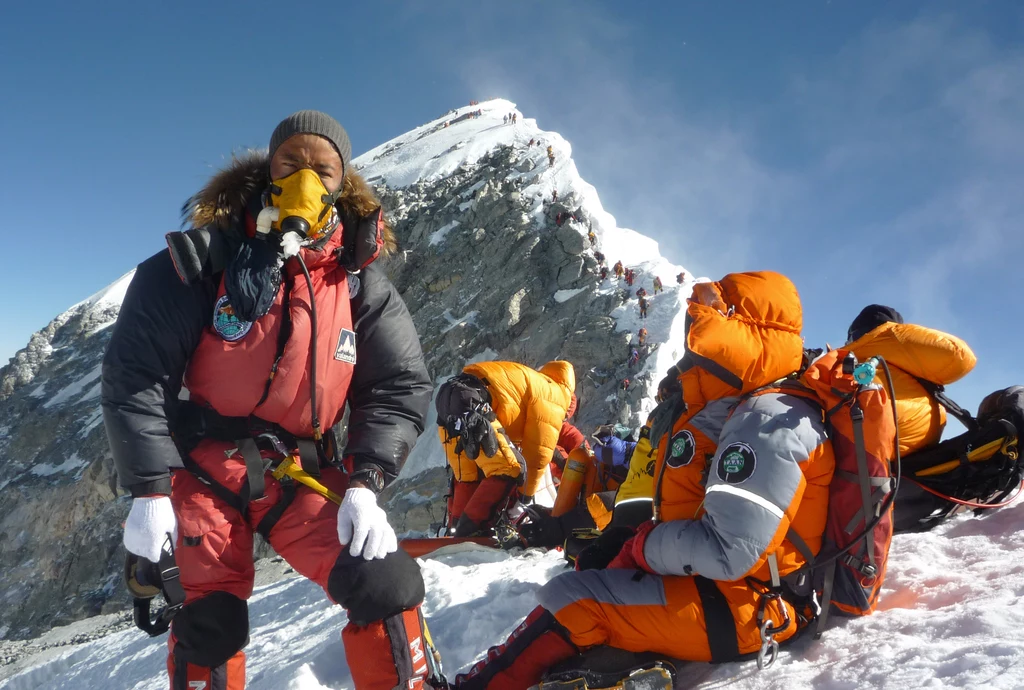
(383, 638)
(474, 506)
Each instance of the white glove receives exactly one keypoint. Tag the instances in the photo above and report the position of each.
(364, 525)
(149, 522)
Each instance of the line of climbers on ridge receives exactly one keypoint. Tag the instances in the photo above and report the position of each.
(761, 478)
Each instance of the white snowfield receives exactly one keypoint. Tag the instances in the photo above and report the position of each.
(951, 616)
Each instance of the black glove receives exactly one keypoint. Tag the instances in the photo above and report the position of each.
(598, 555)
(542, 530)
(478, 434)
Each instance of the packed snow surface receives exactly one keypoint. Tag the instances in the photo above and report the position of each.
(951, 616)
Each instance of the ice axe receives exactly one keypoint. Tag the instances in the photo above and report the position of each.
(414, 547)
(144, 580)
(290, 468)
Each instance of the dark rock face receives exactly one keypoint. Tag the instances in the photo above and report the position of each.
(59, 513)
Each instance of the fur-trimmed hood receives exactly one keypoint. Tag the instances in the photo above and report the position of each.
(223, 201)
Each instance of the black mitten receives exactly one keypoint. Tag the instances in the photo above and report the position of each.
(477, 435)
(253, 278)
(598, 555)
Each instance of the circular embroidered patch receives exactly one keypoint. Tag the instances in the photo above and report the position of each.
(681, 449)
(226, 323)
(736, 463)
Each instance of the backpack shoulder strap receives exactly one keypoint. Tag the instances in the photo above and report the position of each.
(938, 392)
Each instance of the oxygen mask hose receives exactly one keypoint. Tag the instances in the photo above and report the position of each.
(317, 433)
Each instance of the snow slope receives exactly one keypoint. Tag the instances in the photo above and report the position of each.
(950, 617)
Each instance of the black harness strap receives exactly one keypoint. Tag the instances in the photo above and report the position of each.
(308, 457)
(219, 490)
(857, 416)
(174, 594)
(255, 487)
(826, 599)
(718, 620)
(288, 490)
(939, 393)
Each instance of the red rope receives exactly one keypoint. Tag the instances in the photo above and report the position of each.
(971, 504)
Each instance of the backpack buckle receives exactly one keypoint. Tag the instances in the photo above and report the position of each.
(865, 569)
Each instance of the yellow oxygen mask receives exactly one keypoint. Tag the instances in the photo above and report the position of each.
(299, 203)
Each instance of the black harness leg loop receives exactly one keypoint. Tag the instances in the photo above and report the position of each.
(309, 458)
(288, 490)
(255, 487)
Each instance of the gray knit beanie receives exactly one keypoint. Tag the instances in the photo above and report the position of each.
(313, 122)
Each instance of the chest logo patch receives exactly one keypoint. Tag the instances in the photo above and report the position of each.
(681, 449)
(226, 322)
(346, 350)
(737, 463)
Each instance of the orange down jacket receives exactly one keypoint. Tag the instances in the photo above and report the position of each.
(915, 352)
(531, 405)
(734, 474)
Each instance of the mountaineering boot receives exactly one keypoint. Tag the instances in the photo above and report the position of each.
(393, 653)
(656, 677)
(229, 675)
(608, 668)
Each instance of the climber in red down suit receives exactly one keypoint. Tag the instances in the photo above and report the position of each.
(274, 316)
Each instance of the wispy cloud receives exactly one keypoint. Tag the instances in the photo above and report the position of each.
(921, 164)
(690, 182)
(924, 119)
(889, 170)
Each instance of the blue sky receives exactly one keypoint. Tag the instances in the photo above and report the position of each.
(872, 151)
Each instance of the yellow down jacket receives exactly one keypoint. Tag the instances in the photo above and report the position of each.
(531, 405)
(915, 352)
(504, 463)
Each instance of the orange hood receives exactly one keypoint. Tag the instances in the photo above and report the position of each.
(743, 332)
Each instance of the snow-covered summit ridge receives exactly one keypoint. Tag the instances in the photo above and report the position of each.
(458, 138)
(90, 316)
(463, 137)
(111, 295)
